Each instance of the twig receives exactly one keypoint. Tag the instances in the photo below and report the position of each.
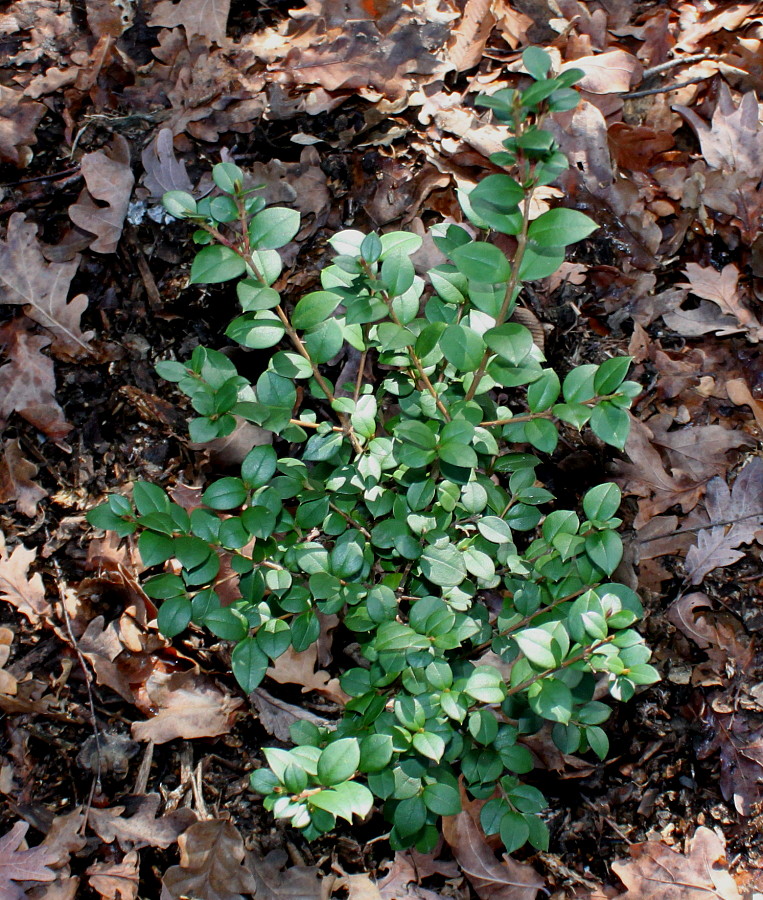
(666, 89)
(675, 62)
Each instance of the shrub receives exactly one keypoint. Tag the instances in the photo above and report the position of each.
(406, 502)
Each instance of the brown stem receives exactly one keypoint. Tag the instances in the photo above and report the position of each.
(350, 521)
(589, 651)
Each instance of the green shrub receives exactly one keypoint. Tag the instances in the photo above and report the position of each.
(406, 502)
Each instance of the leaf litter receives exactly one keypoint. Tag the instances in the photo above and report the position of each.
(380, 117)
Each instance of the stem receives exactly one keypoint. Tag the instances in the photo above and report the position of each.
(565, 665)
(547, 414)
(511, 287)
(350, 521)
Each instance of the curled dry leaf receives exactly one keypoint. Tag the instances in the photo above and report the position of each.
(185, 705)
(21, 865)
(682, 614)
(8, 684)
(16, 474)
(292, 667)
(26, 278)
(28, 383)
(658, 872)
(492, 880)
(109, 181)
(140, 827)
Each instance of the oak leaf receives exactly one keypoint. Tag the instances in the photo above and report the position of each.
(21, 865)
(109, 181)
(116, 880)
(734, 518)
(16, 474)
(26, 278)
(163, 171)
(659, 872)
(19, 117)
(28, 383)
(26, 593)
(208, 18)
(740, 747)
(185, 705)
(294, 667)
(613, 72)
(492, 880)
(142, 827)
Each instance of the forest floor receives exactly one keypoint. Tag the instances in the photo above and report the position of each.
(124, 757)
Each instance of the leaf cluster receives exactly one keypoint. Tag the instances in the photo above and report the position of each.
(408, 505)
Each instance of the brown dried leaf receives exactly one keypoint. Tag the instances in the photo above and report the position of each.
(109, 181)
(8, 684)
(19, 117)
(292, 667)
(185, 705)
(658, 872)
(109, 17)
(21, 865)
(492, 880)
(740, 746)
(208, 18)
(404, 873)
(469, 37)
(275, 880)
(26, 593)
(276, 716)
(211, 864)
(26, 278)
(613, 72)
(142, 827)
(681, 614)
(16, 474)
(163, 171)
(116, 881)
(28, 383)
(734, 517)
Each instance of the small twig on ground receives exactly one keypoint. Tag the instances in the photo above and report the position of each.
(141, 782)
(666, 89)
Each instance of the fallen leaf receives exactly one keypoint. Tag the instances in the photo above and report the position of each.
(19, 117)
(163, 171)
(404, 874)
(16, 474)
(211, 864)
(740, 395)
(681, 614)
(276, 716)
(26, 593)
(21, 865)
(26, 278)
(734, 518)
(208, 18)
(185, 705)
(8, 684)
(613, 72)
(109, 181)
(274, 880)
(142, 827)
(28, 383)
(492, 880)
(468, 38)
(659, 872)
(292, 667)
(116, 881)
(740, 747)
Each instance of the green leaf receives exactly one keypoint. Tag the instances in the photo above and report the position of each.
(495, 202)
(542, 434)
(605, 549)
(482, 262)
(273, 227)
(462, 347)
(540, 262)
(611, 374)
(611, 424)
(442, 799)
(560, 227)
(514, 831)
(249, 664)
(257, 331)
(375, 752)
(174, 616)
(225, 493)
(258, 466)
(597, 741)
(274, 638)
(494, 529)
(551, 699)
(511, 342)
(215, 264)
(535, 643)
(179, 204)
(537, 62)
(602, 502)
(397, 273)
(443, 566)
(409, 816)
(149, 498)
(543, 393)
(314, 308)
(429, 744)
(339, 761)
(155, 548)
(486, 684)
(228, 177)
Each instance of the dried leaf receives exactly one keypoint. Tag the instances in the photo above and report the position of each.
(613, 72)
(276, 716)
(19, 117)
(28, 383)
(163, 171)
(681, 614)
(26, 593)
(21, 865)
(185, 705)
(292, 667)
(211, 864)
(116, 881)
(658, 872)
(109, 181)
(274, 880)
(734, 517)
(42, 287)
(469, 37)
(208, 18)
(492, 880)
(142, 827)
(740, 746)
(404, 873)
(16, 474)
